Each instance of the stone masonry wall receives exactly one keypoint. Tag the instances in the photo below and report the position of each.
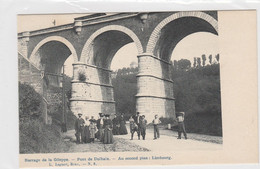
(95, 94)
(154, 90)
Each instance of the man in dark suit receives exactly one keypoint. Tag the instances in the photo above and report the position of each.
(79, 125)
(137, 122)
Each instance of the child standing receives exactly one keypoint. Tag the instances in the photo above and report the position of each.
(92, 130)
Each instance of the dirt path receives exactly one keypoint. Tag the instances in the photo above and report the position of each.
(168, 142)
(119, 145)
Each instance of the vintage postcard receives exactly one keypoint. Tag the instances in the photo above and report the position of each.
(141, 88)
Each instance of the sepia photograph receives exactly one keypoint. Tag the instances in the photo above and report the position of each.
(139, 82)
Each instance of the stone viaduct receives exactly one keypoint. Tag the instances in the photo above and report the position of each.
(94, 39)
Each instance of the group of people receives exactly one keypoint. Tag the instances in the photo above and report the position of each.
(104, 128)
(119, 127)
(138, 124)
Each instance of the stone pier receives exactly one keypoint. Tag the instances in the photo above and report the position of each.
(155, 94)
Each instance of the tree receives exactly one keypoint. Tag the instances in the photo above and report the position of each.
(217, 57)
(184, 64)
(210, 59)
(203, 59)
(194, 62)
(198, 62)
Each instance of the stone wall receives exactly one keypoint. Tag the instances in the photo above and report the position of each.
(95, 94)
(154, 90)
(29, 74)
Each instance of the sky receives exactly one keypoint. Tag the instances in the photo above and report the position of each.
(191, 46)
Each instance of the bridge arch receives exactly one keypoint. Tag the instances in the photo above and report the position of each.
(50, 54)
(95, 94)
(88, 58)
(59, 39)
(156, 34)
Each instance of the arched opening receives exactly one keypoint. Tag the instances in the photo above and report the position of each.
(97, 93)
(68, 69)
(196, 87)
(125, 57)
(125, 68)
(50, 55)
(194, 46)
(176, 30)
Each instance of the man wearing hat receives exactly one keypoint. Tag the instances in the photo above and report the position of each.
(79, 125)
(181, 127)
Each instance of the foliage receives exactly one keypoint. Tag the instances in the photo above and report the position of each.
(194, 62)
(197, 93)
(183, 64)
(166, 121)
(196, 90)
(82, 76)
(217, 57)
(67, 86)
(204, 123)
(125, 89)
(29, 101)
(35, 137)
(210, 59)
(203, 59)
(198, 62)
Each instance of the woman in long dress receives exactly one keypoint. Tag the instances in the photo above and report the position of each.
(108, 135)
(100, 127)
(122, 128)
(86, 138)
(116, 126)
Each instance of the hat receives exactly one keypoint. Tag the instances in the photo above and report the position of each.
(80, 114)
(107, 115)
(101, 114)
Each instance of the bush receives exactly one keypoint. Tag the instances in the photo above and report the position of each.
(82, 76)
(35, 137)
(29, 102)
(165, 121)
(203, 123)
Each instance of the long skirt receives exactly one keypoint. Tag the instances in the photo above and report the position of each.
(116, 130)
(108, 137)
(122, 129)
(92, 133)
(86, 138)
